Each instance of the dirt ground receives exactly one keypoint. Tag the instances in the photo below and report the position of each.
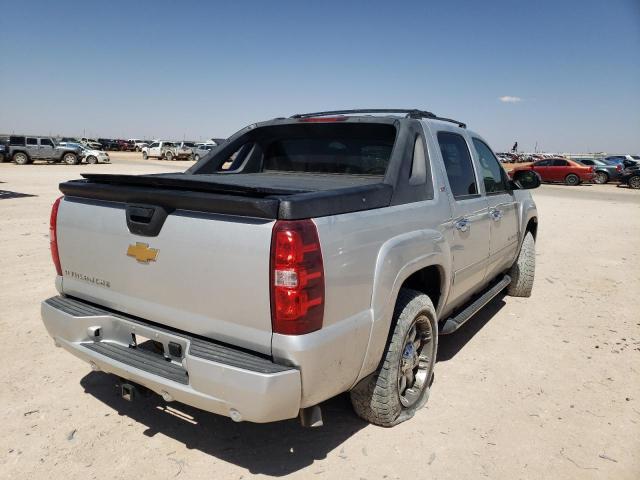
(545, 387)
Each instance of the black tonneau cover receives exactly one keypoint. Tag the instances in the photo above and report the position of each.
(263, 195)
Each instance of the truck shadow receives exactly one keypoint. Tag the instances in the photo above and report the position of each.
(450, 345)
(274, 449)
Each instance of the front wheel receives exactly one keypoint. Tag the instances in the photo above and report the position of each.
(523, 270)
(196, 157)
(168, 156)
(145, 155)
(401, 384)
(572, 180)
(92, 160)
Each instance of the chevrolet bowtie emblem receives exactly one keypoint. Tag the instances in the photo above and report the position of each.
(142, 253)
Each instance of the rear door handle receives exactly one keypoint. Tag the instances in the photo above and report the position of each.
(462, 224)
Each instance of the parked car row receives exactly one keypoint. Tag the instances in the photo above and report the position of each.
(182, 150)
(24, 150)
(574, 172)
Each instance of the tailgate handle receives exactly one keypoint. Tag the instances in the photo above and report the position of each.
(146, 220)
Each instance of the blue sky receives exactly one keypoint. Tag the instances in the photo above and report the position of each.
(196, 70)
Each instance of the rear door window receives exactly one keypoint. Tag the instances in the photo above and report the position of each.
(560, 163)
(32, 141)
(458, 164)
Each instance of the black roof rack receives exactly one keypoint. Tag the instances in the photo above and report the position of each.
(410, 113)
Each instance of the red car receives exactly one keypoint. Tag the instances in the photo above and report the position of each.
(560, 170)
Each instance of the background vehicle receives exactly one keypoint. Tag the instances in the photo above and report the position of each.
(89, 155)
(167, 150)
(137, 144)
(631, 176)
(125, 145)
(157, 149)
(109, 144)
(624, 160)
(69, 140)
(23, 150)
(184, 150)
(328, 241)
(604, 171)
(4, 141)
(91, 143)
(560, 170)
(201, 149)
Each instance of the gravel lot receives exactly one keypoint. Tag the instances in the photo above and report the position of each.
(546, 387)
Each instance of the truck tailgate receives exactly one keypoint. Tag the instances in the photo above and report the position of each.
(210, 275)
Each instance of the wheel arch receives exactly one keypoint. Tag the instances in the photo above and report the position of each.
(426, 271)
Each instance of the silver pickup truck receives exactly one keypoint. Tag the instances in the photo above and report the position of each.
(303, 258)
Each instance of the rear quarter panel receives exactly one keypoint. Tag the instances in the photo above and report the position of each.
(367, 255)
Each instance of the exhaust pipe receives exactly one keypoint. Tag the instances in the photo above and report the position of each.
(311, 417)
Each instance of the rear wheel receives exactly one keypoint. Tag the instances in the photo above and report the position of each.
(401, 384)
(21, 158)
(572, 180)
(523, 270)
(92, 160)
(601, 178)
(634, 182)
(70, 158)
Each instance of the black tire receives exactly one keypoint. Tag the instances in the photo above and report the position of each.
(572, 180)
(196, 157)
(145, 156)
(21, 158)
(70, 158)
(634, 182)
(387, 397)
(601, 178)
(92, 160)
(523, 270)
(168, 156)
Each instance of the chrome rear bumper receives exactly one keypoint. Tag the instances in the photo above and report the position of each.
(205, 374)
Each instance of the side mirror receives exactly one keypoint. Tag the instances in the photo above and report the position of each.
(526, 179)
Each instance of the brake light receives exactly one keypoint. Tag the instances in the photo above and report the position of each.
(341, 118)
(297, 278)
(53, 235)
(619, 167)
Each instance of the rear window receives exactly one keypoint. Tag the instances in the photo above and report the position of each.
(332, 148)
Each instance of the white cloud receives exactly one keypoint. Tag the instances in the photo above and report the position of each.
(510, 99)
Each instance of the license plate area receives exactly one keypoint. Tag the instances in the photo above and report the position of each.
(166, 348)
(145, 339)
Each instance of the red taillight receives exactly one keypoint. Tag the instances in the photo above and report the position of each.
(297, 278)
(619, 167)
(53, 235)
(322, 119)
